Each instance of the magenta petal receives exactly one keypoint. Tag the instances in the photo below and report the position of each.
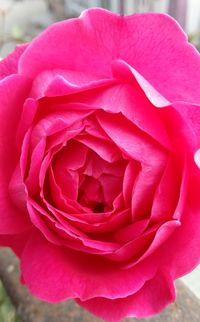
(17, 190)
(138, 249)
(182, 250)
(60, 82)
(25, 153)
(145, 187)
(106, 150)
(90, 192)
(13, 91)
(63, 136)
(131, 232)
(111, 186)
(65, 204)
(93, 128)
(180, 207)
(138, 146)
(17, 243)
(71, 157)
(167, 194)
(71, 55)
(57, 197)
(129, 99)
(61, 86)
(53, 190)
(43, 222)
(66, 162)
(111, 224)
(96, 166)
(71, 275)
(131, 140)
(158, 35)
(9, 65)
(125, 72)
(55, 122)
(191, 116)
(130, 176)
(68, 182)
(27, 116)
(153, 297)
(61, 232)
(161, 237)
(32, 180)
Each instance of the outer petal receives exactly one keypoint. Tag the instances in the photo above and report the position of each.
(9, 65)
(127, 98)
(13, 91)
(72, 43)
(152, 298)
(75, 275)
(16, 243)
(59, 83)
(124, 71)
(191, 115)
(182, 250)
(153, 44)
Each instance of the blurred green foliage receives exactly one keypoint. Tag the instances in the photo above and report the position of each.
(7, 310)
(194, 38)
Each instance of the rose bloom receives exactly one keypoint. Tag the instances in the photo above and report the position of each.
(99, 190)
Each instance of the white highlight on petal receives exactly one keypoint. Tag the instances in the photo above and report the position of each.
(197, 158)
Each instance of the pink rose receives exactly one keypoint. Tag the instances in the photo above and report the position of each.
(99, 191)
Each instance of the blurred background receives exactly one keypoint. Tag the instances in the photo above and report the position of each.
(21, 20)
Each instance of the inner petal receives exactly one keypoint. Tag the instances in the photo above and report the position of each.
(91, 194)
(83, 176)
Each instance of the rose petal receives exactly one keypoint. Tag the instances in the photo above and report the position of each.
(61, 86)
(9, 65)
(130, 100)
(161, 238)
(17, 243)
(63, 53)
(111, 186)
(106, 150)
(138, 146)
(130, 140)
(59, 82)
(13, 91)
(93, 128)
(130, 175)
(153, 297)
(138, 249)
(63, 136)
(131, 232)
(182, 251)
(32, 180)
(151, 37)
(71, 157)
(190, 113)
(72, 274)
(95, 166)
(166, 196)
(55, 122)
(29, 111)
(17, 190)
(124, 71)
(57, 198)
(113, 222)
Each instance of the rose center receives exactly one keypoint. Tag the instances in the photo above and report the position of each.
(91, 195)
